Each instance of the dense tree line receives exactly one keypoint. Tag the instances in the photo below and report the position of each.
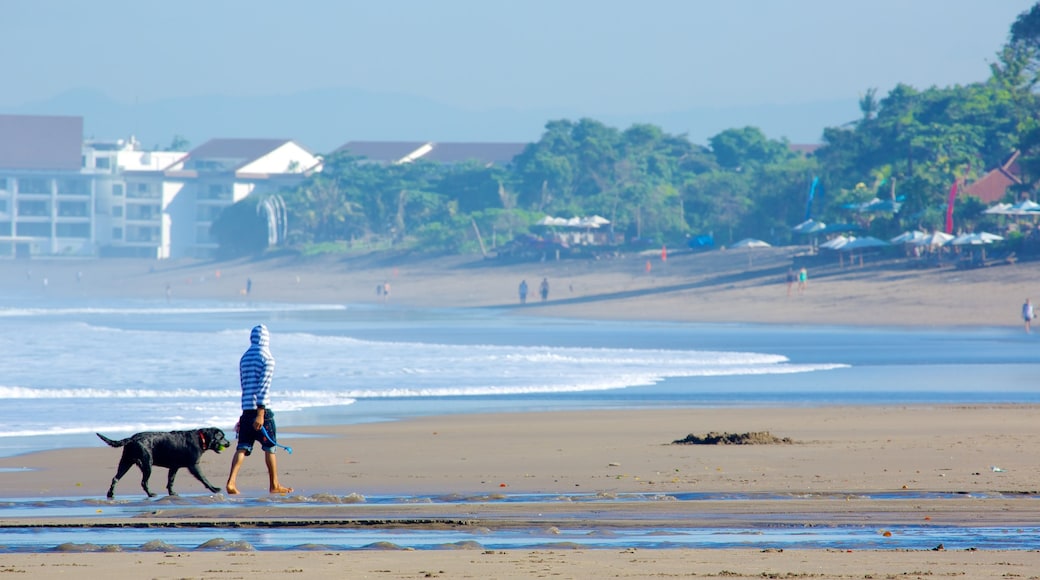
(657, 188)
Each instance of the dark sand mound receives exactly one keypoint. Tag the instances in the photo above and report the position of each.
(716, 438)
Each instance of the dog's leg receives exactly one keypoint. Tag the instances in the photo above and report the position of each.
(146, 472)
(169, 480)
(194, 469)
(124, 466)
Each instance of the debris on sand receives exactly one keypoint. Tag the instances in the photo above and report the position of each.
(716, 438)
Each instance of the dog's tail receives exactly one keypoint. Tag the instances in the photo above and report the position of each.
(112, 442)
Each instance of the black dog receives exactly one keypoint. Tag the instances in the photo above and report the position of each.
(171, 449)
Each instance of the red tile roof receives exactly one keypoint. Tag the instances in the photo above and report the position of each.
(992, 187)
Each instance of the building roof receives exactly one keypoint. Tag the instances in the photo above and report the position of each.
(993, 186)
(381, 151)
(38, 142)
(240, 149)
(398, 151)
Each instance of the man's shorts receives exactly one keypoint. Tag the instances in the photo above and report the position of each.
(247, 436)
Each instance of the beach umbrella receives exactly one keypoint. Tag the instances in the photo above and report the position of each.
(864, 242)
(809, 226)
(908, 237)
(750, 243)
(934, 239)
(837, 243)
(1025, 207)
(880, 205)
(999, 209)
(975, 239)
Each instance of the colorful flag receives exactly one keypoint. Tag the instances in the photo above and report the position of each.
(812, 194)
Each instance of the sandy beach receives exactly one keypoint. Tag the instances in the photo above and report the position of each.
(836, 453)
(717, 286)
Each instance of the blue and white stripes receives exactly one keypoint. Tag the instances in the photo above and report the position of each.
(256, 369)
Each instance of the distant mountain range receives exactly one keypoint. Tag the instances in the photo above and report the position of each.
(322, 120)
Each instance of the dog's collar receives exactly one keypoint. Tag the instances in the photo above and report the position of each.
(202, 439)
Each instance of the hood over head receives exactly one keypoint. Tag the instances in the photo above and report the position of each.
(260, 336)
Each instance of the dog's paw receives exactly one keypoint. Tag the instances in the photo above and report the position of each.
(214, 489)
(150, 494)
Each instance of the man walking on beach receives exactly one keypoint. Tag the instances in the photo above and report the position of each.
(256, 371)
(1028, 314)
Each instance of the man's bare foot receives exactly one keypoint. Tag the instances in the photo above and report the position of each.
(281, 489)
(232, 490)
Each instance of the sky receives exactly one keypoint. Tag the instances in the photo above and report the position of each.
(594, 56)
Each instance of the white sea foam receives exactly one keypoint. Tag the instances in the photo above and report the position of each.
(84, 369)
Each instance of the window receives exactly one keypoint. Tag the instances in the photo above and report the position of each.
(3, 184)
(142, 212)
(39, 230)
(72, 230)
(117, 233)
(117, 189)
(72, 209)
(103, 163)
(73, 187)
(117, 211)
(3, 206)
(33, 208)
(216, 191)
(34, 185)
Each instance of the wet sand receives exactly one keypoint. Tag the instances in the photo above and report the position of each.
(837, 456)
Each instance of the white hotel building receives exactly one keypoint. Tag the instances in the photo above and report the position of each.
(62, 196)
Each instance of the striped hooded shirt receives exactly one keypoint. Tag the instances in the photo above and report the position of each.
(256, 369)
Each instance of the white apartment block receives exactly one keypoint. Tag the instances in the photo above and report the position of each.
(60, 195)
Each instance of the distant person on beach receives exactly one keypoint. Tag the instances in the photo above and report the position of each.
(256, 371)
(790, 280)
(803, 280)
(249, 286)
(543, 289)
(1028, 314)
(523, 292)
(386, 291)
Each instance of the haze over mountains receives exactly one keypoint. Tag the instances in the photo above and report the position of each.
(324, 119)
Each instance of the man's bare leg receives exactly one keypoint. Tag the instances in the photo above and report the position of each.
(236, 464)
(272, 473)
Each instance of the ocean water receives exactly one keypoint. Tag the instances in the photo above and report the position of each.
(72, 369)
